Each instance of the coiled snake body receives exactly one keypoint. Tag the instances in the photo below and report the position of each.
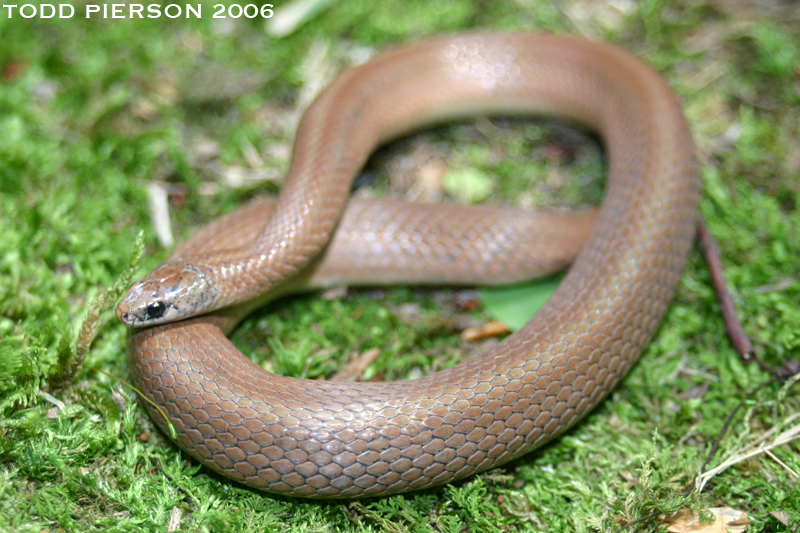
(324, 439)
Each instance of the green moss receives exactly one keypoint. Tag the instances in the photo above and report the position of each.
(91, 110)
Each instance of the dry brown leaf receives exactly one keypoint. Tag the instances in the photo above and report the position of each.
(726, 520)
(429, 181)
(356, 368)
(489, 329)
(781, 516)
(174, 519)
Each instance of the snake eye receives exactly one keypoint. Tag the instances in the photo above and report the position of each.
(156, 310)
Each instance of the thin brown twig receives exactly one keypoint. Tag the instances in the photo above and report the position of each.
(733, 326)
(640, 520)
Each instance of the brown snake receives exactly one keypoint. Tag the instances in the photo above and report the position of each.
(325, 439)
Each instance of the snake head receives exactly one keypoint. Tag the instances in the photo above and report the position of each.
(174, 291)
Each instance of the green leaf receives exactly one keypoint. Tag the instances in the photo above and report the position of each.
(514, 305)
(469, 185)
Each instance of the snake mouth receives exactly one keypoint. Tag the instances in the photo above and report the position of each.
(149, 315)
